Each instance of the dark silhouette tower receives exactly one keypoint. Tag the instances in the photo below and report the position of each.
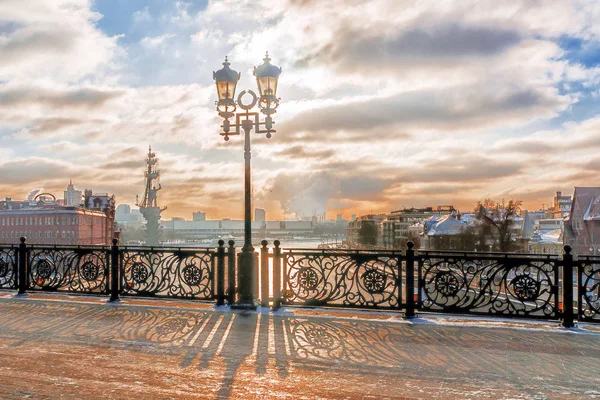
(149, 205)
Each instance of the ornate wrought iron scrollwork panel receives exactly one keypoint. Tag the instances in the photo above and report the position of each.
(589, 290)
(169, 274)
(72, 270)
(507, 286)
(342, 280)
(8, 266)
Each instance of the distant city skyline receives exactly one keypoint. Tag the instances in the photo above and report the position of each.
(385, 104)
(68, 196)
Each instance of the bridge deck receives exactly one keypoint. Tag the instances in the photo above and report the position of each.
(56, 346)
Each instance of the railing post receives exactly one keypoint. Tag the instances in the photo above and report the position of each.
(114, 271)
(23, 273)
(221, 273)
(276, 275)
(580, 292)
(410, 281)
(264, 274)
(231, 273)
(399, 282)
(567, 282)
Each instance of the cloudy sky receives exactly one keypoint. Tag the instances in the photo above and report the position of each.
(385, 104)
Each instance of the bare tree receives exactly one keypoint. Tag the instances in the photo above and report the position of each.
(499, 218)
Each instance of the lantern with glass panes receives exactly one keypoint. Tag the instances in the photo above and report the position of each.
(267, 76)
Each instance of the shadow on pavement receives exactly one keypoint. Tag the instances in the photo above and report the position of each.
(276, 342)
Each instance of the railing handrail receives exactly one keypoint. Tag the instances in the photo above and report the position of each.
(168, 249)
(584, 257)
(486, 257)
(419, 252)
(352, 251)
(488, 253)
(65, 247)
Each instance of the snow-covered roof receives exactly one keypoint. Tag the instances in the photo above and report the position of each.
(430, 222)
(435, 218)
(593, 211)
(447, 225)
(548, 236)
(468, 217)
(529, 223)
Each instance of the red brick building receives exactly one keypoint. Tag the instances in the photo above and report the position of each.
(54, 225)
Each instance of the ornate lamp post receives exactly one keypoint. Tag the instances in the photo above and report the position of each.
(226, 79)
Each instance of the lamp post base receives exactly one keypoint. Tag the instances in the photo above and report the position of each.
(246, 281)
(251, 305)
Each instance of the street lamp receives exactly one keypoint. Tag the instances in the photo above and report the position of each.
(226, 79)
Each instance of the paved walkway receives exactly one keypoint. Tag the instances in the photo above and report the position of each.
(69, 347)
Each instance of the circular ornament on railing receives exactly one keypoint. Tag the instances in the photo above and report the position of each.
(90, 271)
(139, 273)
(447, 283)
(374, 281)
(3, 268)
(43, 269)
(308, 278)
(192, 275)
(525, 287)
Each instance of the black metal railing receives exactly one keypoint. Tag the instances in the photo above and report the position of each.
(164, 272)
(482, 284)
(69, 269)
(588, 288)
(8, 267)
(116, 271)
(344, 278)
(494, 284)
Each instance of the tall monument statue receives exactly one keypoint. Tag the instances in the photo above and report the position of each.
(149, 205)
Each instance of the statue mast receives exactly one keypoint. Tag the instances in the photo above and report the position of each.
(149, 205)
